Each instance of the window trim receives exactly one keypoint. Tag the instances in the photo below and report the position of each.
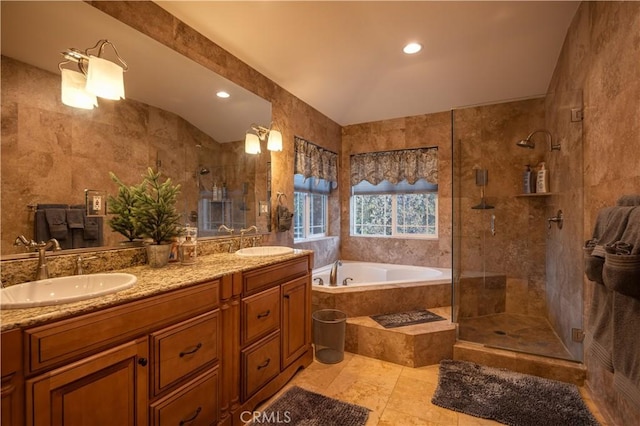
(307, 217)
(394, 212)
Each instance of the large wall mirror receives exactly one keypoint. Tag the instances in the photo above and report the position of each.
(171, 120)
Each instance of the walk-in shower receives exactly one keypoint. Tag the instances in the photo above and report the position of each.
(521, 288)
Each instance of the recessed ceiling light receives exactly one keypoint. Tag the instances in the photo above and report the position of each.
(222, 94)
(412, 48)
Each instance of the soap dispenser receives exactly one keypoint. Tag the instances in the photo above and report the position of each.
(542, 181)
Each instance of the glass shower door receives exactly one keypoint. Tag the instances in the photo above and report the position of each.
(517, 276)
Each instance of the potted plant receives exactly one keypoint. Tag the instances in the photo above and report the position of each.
(155, 215)
(121, 206)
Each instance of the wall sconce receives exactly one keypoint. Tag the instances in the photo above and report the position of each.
(258, 133)
(97, 77)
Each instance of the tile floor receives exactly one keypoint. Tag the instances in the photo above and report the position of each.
(397, 395)
(516, 332)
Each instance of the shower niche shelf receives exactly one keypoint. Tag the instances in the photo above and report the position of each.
(541, 194)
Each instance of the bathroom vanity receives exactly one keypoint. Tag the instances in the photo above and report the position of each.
(187, 345)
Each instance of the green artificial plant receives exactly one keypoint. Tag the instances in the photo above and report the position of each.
(121, 206)
(154, 211)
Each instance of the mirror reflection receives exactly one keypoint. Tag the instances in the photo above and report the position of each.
(170, 120)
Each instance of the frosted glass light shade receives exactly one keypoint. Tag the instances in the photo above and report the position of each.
(105, 79)
(275, 141)
(251, 144)
(74, 92)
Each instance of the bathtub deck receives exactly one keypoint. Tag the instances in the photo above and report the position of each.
(412, 346)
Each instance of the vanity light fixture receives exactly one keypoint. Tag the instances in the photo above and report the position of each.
(412, 48)
(101, 77)
(259, 133)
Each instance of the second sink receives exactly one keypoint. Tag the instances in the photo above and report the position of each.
(264, 251)
(55, 291)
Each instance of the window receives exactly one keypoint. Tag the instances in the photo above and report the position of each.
(402, 210)
(310, 208)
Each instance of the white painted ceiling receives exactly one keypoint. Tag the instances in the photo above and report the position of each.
(345, 58)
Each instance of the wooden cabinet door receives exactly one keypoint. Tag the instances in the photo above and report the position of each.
(109, 388)
(295, 329)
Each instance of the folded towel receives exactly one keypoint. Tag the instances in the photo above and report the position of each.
(57, 222)
(621, 273)
(593, 266)
(626, 347)
(629, 200)
(75, 218)
(615, 226)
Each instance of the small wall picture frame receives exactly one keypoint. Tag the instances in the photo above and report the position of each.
(96, 202)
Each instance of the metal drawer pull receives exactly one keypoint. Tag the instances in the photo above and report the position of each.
(192, 351)
(286, 296)
(264, 364)
(264, 314)
(192, 418)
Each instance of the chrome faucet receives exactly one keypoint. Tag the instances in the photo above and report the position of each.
(333, 275)
(244, 231)
(79, 269)
(225, 228)
(42, 273)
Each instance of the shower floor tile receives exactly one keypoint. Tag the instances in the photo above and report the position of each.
(521, 333)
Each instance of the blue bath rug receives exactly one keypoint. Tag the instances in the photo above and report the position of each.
(401, 319)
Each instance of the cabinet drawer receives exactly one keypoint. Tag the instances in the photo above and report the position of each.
(63, 341)
(260, 363)
(184, 348)
(195, 403)
(260, 314)
(254, 281)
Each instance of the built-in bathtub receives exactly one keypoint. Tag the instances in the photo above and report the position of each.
(378, 288)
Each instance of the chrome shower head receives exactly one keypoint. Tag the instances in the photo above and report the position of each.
(526, 143)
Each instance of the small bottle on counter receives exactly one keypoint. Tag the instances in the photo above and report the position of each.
(188, 251)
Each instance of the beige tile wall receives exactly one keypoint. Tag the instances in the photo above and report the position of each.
(600, 57)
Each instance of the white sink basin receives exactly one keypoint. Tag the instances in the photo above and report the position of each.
(264, 251)
(56, 291)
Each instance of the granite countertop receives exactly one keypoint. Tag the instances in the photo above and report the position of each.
(150, 282)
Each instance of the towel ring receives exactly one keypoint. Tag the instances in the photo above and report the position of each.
(279, 196)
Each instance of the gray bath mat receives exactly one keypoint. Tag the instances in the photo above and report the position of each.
(405, 318)
(301, 407)
(509, 397)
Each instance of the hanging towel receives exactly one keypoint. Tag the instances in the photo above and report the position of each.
(615, 227)
(75, 218)
(57, 222)
(599, 335)
(621, 270)
(629, 200)
(285, 217)
(91, 228)
(626, 347)
(593, 264)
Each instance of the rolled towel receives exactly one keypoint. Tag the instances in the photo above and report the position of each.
(57, 222)
(593, 266)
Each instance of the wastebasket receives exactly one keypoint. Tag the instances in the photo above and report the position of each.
(328, 335)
